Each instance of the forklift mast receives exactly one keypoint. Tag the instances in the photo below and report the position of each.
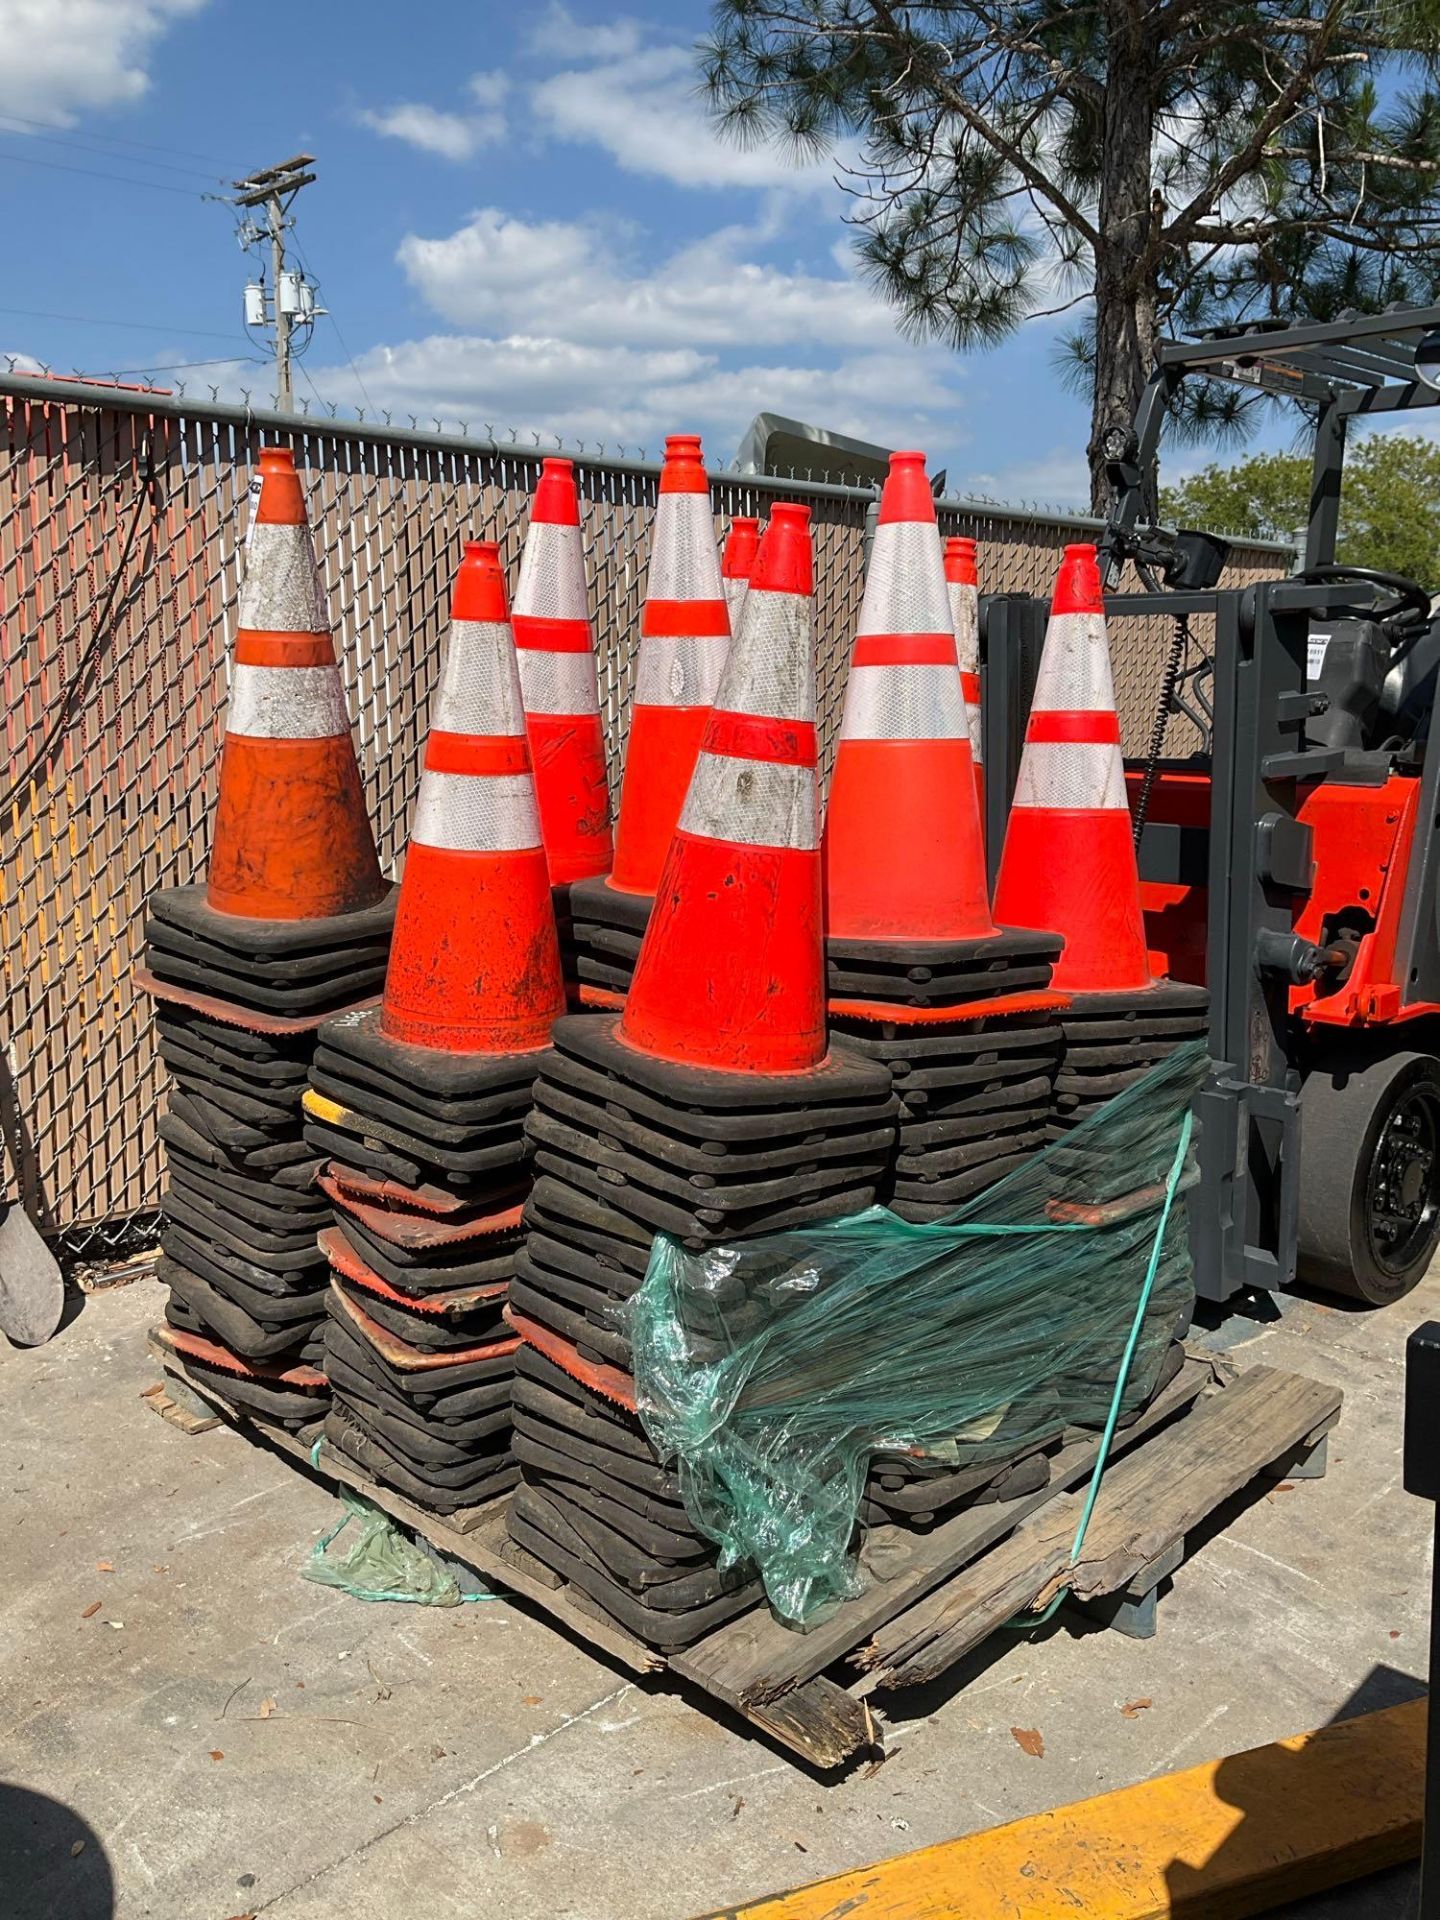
(1315, 859)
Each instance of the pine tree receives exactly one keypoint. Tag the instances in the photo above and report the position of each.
(1162, 165)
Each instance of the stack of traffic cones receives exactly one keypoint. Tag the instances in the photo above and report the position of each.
(962, 582)
(294, 923)
(736, 560)
(1068, 864)
(560, 688)
(713, 1109)
(684, 637)
(418, 1107)
(959, 1010)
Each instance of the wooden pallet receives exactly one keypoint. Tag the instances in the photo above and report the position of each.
(935, 1596)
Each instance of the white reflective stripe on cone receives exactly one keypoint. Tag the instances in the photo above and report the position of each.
(480, 688)
(965, 619)
(905, 585)
(680, 670)
(904, 703)
(286, 703)
(552, 682)
(683, 562)
(280, 592)
(771, 669)
(756, 803)
(552, 575)
(1074, 671)
(1088, 774)
(476, 813)
(735, 592)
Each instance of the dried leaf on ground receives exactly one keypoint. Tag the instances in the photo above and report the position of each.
(1133, 1709)
(267, 1707)
(89, 1613)
(104, 1566)
(1029, 1740)
(216, 1754)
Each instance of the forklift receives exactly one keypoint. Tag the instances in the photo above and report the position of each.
(1291, 862)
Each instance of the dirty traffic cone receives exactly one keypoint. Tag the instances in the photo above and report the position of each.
(292, 840)
(731, 971)
(558, 683)
(684, 637)
(1068, 862)
(963, 585)
(735, 564)
(475, 964)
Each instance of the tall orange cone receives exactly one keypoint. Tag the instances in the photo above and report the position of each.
(559, 685)
(475, 962)
(904, 858)
(731, 972)
(735, 564)
(292, 840)
(1068, 863)
(963, 584)
(684, 637)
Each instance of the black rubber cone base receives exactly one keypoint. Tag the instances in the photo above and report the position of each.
(471, 1263)
(931, 1500)
(265, 1079)
(596, 903)
(571, 1323)
(668, 1586)
(925, 1205)
(258, 1388)
(410, 1366)
(549, 1393)
(196, 1248)
(842, 1077)
(489, 1481)
(289, 1163)
(1166, 999)
(308, 997)
(444, 1396)
(940, 1163)
(953, 1042)
(414, 1440)
(427, 1076)
(282, 973)
(237, 1329)
(472, 1156)
(283, 1251)
(230, 1114)
(185, 909)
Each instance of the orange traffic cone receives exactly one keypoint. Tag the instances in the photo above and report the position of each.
(963, 583)
(558, 683)
(292, 840)
(731, 970)
(1068, 863)
(475, 963)
(903, 857)
(735, 564)
(684, 636)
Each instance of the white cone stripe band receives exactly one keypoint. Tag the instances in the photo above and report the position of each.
(1088, 774)
(965, 618)
(287, 703)
(735, 592)
(771, 669)
(1074, 671)
(905, 587)
(756, 803)
(558, 682)
(904, 703)
(552, 575)
(476, 813)
(683, 562)
(480, 690)
(281, 590)
(680, 670)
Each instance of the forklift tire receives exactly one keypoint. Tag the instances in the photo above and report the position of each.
(1370, 1175)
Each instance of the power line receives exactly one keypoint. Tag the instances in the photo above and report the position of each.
(93, 173)
(85, 146)
(132, 326)
(180, 366)
(119, 140)
(350, 358)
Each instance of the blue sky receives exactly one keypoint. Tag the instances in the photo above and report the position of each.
(521, 218)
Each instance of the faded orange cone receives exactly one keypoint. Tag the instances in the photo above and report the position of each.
(731, 971)
(292, 840)
(559, 685)
(963, 584)
(1068, 862)
(475, 962)
(735, 564)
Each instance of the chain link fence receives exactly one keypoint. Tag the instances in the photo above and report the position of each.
(122, 516)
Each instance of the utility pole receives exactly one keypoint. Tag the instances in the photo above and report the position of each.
(292, 298)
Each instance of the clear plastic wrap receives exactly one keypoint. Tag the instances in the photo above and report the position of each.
(772, 1370)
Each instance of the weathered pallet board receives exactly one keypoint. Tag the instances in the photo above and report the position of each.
(1205, 1436)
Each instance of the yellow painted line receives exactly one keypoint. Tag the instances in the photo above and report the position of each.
(323, 1109)
(1230, 1838)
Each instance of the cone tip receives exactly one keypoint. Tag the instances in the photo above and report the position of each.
(479, 592)
(906, 494)
(1077, 584)
(556, 502)
(784, 560)
(282, 499)
(960, 561)
(276, 460)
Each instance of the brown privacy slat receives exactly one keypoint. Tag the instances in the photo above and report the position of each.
(123, 806)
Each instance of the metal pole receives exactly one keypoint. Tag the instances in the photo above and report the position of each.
(1422, 1478)
(284, 392)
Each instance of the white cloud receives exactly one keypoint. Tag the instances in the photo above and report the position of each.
(639, 102)
(558, 34)
(572, 280)
(61, 56)
(453, 136)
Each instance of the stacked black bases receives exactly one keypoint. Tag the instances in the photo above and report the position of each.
(237, 1003)
(938, 973)
(603, 934)
(425, 1162)
(627, 1145)
(1112, 1040)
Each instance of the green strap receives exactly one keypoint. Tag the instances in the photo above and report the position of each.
(1172, 1184)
